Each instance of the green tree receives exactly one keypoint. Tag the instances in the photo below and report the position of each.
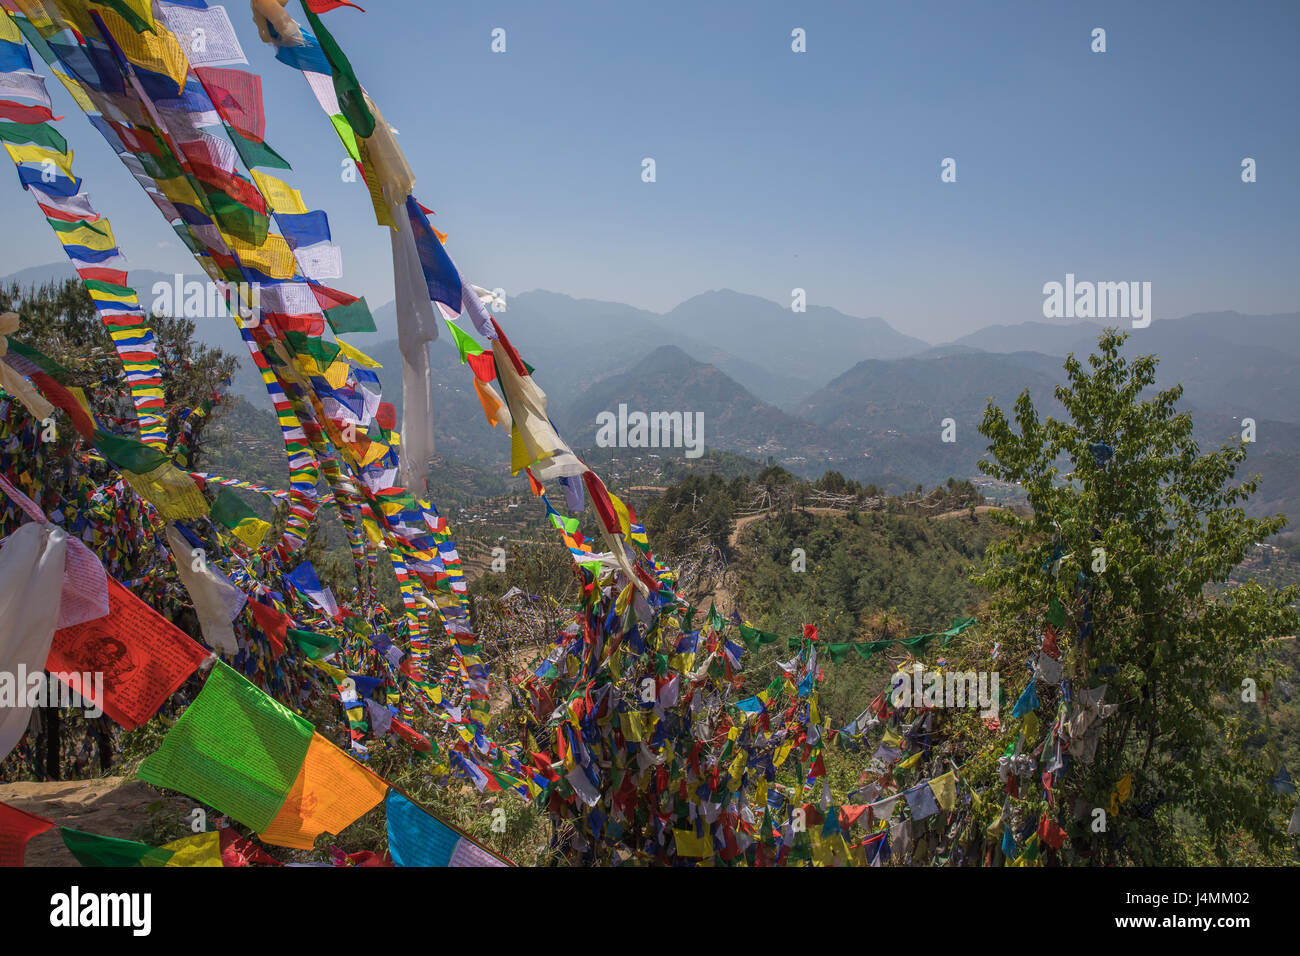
(1131, 523)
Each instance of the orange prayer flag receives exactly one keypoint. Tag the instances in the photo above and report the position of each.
(332, 791)
(491, 405)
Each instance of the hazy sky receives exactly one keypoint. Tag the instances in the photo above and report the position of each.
(777, 169)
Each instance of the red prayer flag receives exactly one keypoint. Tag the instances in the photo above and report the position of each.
(136, 140)
(485, 369)
(600, 498)
(142, 656)
(274, 624)
(515, 357)
(412, 736)
(240, 851)
(329, 298)
(96, 274)
(237, 95)
(16, 828)
(25, 113)
(325, 6)
(1050, 833)
(1050, 647)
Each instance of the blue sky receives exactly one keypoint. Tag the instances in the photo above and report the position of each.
(778, 170)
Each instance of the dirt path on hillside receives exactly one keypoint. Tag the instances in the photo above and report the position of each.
(963, 512)
(747, 520)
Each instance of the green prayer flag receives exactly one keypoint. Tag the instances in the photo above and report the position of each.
(346, 85)
(354, 317)
(959, 624)
(90, 849)
(230, 511)
(349, 138)
(920, 641)
(42, 134)
(38, 358)
(237, 219)
(465, 343)
(316, 646)
(1055, 613)
(234, 748)
(159, 167)
(109, 288)
(256, 154)
(128, 454)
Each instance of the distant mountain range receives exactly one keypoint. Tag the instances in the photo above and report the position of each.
(821, 389)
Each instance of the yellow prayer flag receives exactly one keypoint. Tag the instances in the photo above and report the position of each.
(273, 257)
(158, 51)
(251, 531)
(280, 196)
(737, 769)
(945, 790)
(179, 189)
(170, 490)
(99, 237)
(203, 849)
(358, 356)
(688, 844)
(638, 726)
(624, 520)
(910, 762)
(337, 374)
(518, 453)
(782, 752)
(32, 153)
(9, 31)
(374, 451)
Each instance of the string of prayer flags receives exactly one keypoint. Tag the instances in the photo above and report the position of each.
(44, 373)
(87, 239)
(351, 99)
